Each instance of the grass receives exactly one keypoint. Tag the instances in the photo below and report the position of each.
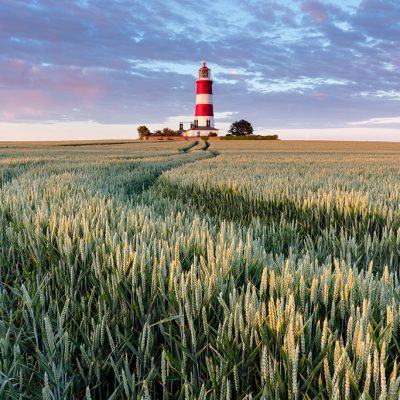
(244, 271)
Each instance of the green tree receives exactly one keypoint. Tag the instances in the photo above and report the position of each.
(241, 128)
(157, 133)
(143, 130)
(168, 132)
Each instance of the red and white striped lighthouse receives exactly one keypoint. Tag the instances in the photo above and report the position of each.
(203, 123)
(204, 112)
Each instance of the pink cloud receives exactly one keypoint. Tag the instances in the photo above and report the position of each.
(37, 91)
(318, 95)
(316, 9)
(81, 83)
(28, 103)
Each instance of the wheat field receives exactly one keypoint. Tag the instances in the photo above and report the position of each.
(136, 270)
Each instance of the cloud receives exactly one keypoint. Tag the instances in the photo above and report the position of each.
(382, 94)
(300, 85)
(378, 121)
(300, 63)
(37, 91)
(316, 9)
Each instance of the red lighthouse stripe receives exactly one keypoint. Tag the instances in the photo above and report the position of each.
(204, 110)
(204, 87)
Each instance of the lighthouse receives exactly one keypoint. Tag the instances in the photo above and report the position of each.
(203, 123)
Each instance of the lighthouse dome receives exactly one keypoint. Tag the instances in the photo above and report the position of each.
(204, 72)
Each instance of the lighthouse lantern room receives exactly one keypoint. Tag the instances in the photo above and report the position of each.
(203, 123)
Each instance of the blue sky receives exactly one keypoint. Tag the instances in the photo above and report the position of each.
(314, 69)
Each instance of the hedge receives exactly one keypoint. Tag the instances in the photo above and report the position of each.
(252, 137)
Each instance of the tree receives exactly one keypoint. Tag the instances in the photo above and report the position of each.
(157, 133)
(241, 128)
(143, 130)
(168, 132)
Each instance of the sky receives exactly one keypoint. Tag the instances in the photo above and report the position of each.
(302, 69)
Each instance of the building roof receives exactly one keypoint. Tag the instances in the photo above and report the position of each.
(202, 128)
(204, 66)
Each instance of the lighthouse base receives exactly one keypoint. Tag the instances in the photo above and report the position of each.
(200, 131)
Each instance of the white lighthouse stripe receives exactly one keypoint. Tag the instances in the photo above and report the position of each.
(204, 99)
(202, 120)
